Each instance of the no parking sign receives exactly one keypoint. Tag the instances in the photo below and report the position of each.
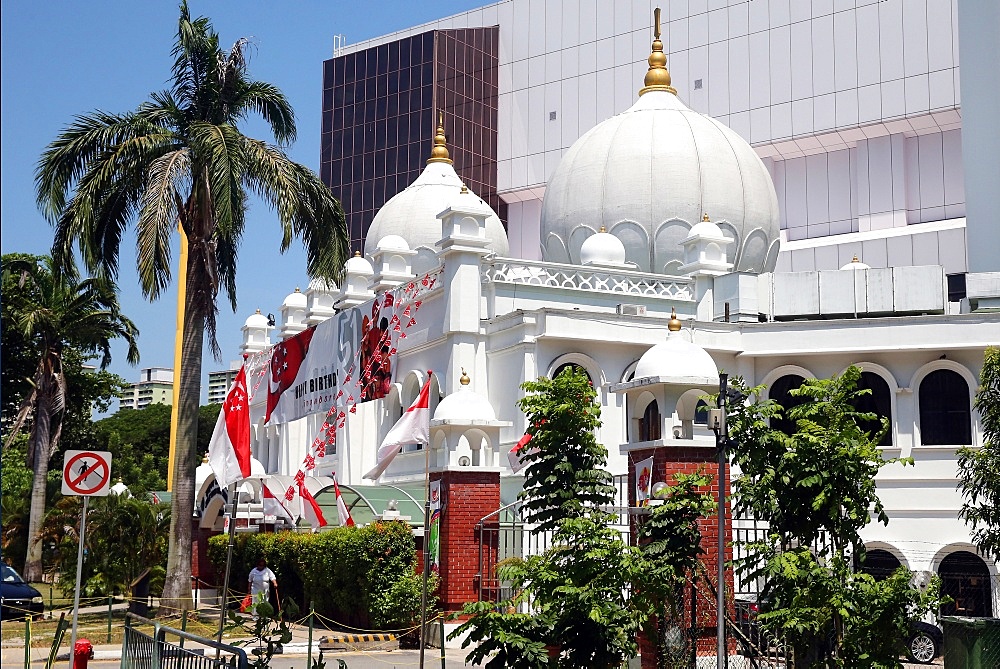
(87, 473)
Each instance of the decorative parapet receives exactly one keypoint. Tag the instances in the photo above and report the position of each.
(558, 275)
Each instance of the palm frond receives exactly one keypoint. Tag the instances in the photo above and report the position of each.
(167, 176)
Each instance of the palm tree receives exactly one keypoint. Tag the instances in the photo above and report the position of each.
(55, 310)
(180, 159)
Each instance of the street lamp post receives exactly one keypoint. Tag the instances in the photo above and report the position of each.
(721, 430)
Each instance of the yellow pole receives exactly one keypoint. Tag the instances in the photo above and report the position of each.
(178, 345)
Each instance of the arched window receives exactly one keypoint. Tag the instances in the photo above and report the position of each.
(780, 393)
(878, 402)
(701, 413)
(571, 365)
(649, 424)
(879, 563)
(966, 579)
(945, 411)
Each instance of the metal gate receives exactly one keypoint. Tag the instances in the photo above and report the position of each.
(150, 645)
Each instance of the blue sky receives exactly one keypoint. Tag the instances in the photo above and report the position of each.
(61, 58)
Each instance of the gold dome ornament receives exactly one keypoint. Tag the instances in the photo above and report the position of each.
(465, 380)
(674, 325)
(439, 152)
(658, 76)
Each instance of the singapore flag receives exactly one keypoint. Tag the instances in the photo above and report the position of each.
(412, 428)
(229, 450)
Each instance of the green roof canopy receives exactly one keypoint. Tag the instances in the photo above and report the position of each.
(368, 502)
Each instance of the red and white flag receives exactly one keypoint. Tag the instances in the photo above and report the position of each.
(516, 455)
(310, 509)
(412, 428)
(342, 511)
(273, 505)
(229, 450)
(286, 367)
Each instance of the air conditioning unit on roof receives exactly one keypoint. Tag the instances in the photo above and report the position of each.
(632, 309)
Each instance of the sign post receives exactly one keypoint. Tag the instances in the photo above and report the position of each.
(85, 474)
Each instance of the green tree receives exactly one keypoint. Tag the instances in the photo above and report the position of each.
(565, 475)
(181, 159)
(577, 589)
(816, 490)
(57, 311)
(669, 553)
(979, 468)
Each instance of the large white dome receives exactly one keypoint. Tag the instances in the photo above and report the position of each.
(412, 213)
(649, 174)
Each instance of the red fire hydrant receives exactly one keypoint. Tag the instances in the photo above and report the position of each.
(83, 652)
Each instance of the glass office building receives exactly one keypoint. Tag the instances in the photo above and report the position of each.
(379, 109)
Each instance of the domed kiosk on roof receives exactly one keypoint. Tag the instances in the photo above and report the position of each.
(649, 173)
(411, 215)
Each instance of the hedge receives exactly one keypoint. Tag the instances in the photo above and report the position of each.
(361, 577)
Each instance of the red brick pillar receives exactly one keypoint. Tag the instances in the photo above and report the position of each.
(467, 497)
(667, 461)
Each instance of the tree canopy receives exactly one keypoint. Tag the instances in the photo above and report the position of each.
(979, 468)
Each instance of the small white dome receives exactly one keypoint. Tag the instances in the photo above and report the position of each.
(602, 249)
(392, 243)
(708, 230)
(412, 213)
(120, 488)
(359, 266)
(678, 360)
(465, 405)
(295, 300)
(855, 265)
(256, 321)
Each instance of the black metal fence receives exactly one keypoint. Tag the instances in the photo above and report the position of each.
(150, 645)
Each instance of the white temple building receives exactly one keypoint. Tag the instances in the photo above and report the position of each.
(657, 209)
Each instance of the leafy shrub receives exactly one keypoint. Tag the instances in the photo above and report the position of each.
(362, 577)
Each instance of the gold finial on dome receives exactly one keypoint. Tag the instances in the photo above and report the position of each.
(439, 152)
(675, 324)
(603, 229)
(855, 259)
(258, 311)
(465, 189)
(357, 254)
(465, 380)
(658, 76)
(204, 459)
(706, 219)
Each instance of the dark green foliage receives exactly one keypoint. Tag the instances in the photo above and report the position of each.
(565, 476)
(818, 481)
(979, 468)
(361, 577)
(576, 590)
(816, 490)
(669, 550)
(65, 321)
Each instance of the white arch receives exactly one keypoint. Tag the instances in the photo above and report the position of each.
(629, 372)
(962, 546)
(971, 383)
(593, 369)
(784, 370)
(889, 548)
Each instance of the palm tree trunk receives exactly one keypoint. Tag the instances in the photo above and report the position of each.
(40, 448)
(177, 584)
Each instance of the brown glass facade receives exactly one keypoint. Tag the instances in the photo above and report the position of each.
(379, 118)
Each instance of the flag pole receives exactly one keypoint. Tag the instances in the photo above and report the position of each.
(427, 555)
(229, 563)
